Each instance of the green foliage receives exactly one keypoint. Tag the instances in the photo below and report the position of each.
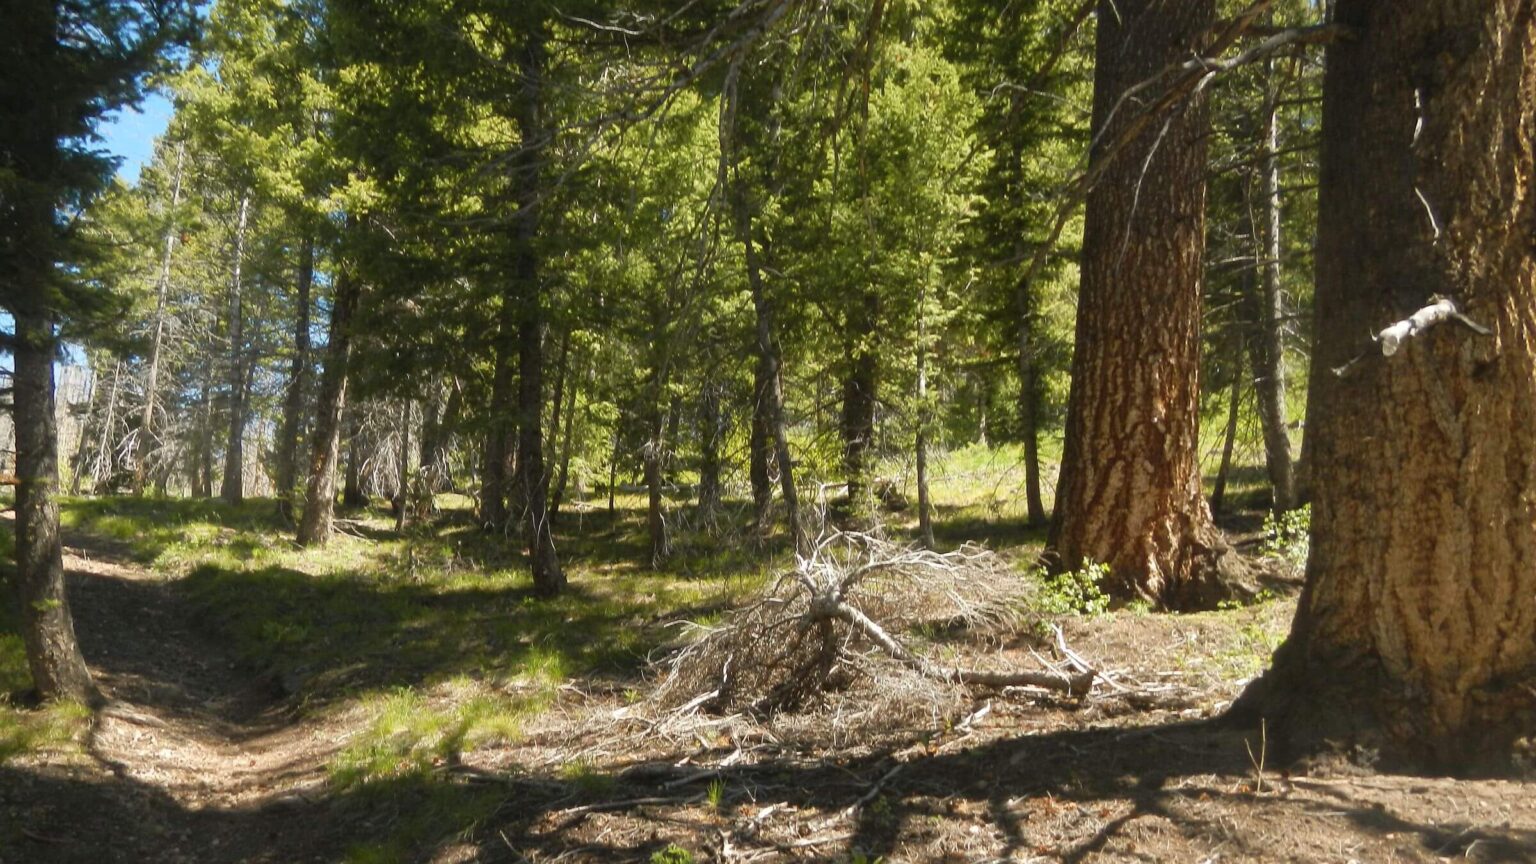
(673, 854)
(1075, 592)
(1288, 536)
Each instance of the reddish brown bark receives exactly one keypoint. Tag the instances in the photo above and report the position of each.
(1415, 640)
(1129, 494)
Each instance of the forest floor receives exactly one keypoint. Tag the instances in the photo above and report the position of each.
(387, 700)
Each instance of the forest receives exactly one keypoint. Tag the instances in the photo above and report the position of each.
(684, 431)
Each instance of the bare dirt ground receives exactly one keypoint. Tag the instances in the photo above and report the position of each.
(198, 760)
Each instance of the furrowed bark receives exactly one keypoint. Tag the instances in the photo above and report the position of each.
(1414, 642)
(1130, 493)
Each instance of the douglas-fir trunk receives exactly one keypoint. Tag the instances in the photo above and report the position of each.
(1415, 638)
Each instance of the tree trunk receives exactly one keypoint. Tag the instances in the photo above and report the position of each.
(53, 654)
(402, 501)
(1229, 436)
(352, 497)
(565, 454)
(500, 438)
(924, 507)
(613, 475)
(860, 394)
(710, 433)
(1130, 493)
(162, 287)
(1268, 346)
(768, 398)
(548, 578)
(1029, 366)
(203, 470)
(298, 381)
(77, 462)
(105, 465)
(1415, 637)
(232, 489)
(320, 489)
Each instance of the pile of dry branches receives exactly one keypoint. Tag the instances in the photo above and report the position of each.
(840, 622)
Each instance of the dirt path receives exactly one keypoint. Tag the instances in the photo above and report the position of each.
(194, 760)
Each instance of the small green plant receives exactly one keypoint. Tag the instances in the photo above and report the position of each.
(1287, 535)
(716, 794)
(673, 854)
(1077, 592)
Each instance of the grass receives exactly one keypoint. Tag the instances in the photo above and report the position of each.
(436, 638)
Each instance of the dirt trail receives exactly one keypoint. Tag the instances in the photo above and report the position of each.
(195, 759)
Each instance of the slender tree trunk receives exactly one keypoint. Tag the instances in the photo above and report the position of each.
(768, 399)
(710, 433)
(204, 467)
(924, 507)
(495, 465)
(613, 475)
(162, 287)
(352, 497)
(320, 489)
(1269, 345)
(656, 447)
(402, 501)
(860, 395)
(983, 403)
(761, 448)
(562, 371)
(1229, 440)
(77, 464)
(1029, 368)
(548, 577)
(232, 490)
(1130, 493)
(298, 382)
(565, 455)
(105, 465)
(1415, 637)
(53, 654)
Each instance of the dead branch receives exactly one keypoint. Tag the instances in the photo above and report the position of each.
(1392, 337)
(836, 618)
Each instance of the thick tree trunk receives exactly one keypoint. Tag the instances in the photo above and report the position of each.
(298, 382)
(152, 376)
(320, 490)
(761, 449)
(1268, 346)
(232, 489)
(1130, 493)
(58, 670)
(1415, 638)
(533, 479)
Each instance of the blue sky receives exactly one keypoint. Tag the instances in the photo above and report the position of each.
(130, 133)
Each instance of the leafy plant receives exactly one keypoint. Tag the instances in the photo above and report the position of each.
(1287, 535)
(1078, 592)
(673, 854)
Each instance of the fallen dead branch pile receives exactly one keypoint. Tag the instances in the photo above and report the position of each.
(845, 616)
